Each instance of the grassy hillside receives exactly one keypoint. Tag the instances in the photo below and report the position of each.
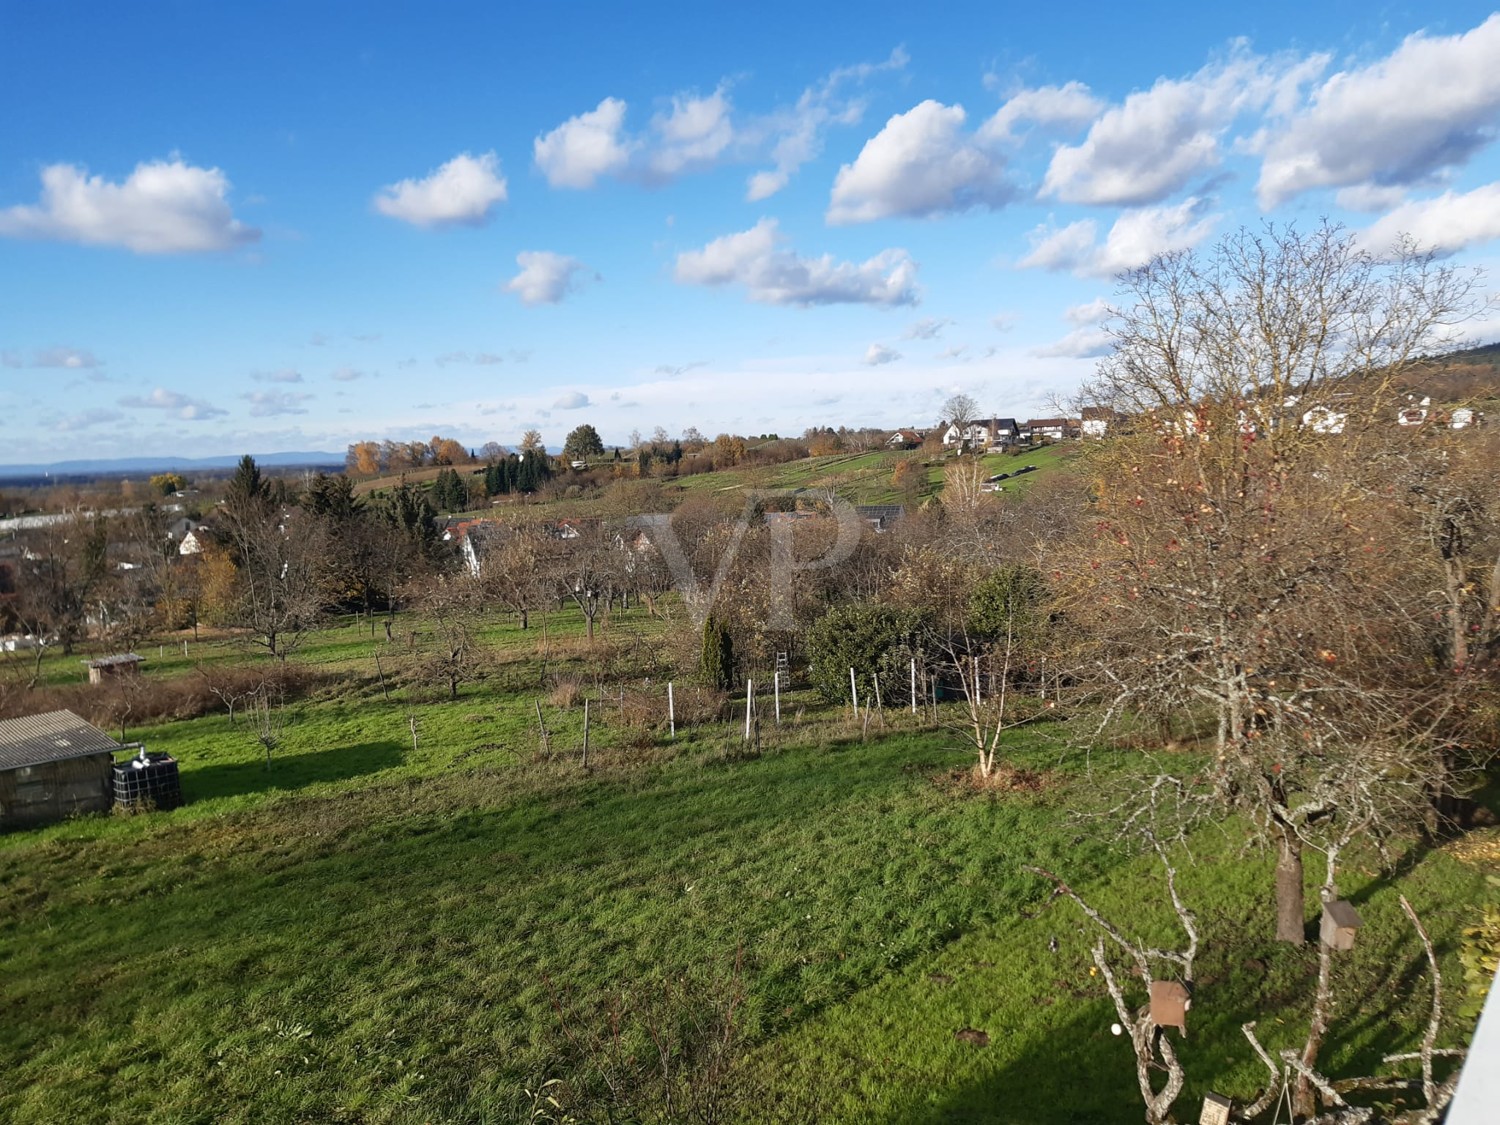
(859, 478)
(368, 932)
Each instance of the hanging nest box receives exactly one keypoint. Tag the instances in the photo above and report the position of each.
(1340, 923)
(1170, 1000)
(1216, 1109)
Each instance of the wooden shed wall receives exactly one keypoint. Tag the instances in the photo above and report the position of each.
(53, 791)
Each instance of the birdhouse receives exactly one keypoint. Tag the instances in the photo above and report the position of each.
(1340, 921)
(1216, 1109)
(1170, 1000)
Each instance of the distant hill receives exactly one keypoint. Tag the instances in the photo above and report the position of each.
(144, 466)
(1471, 374)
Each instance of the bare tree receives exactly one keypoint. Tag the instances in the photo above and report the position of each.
(281, 555)
(510, 570)
(268, 719)
(588, 570)
(961, 410)
(60, 572)
(1149, 1040)
(451, 653)
(1230, 573)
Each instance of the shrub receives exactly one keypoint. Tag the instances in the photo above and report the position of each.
(871, 639)
(718, 655)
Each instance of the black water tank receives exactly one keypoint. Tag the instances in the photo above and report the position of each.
(153, 781)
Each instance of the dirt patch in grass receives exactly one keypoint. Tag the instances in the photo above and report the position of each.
(1002, 779)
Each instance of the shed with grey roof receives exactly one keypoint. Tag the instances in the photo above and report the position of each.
(120, 664)
(53, 766)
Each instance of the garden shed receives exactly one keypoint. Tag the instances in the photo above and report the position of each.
(121, 664)
(52, 766)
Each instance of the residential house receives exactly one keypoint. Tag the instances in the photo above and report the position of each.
(194, 541)
(477, 540)
(1414, 413)
(1003, 433)
(881, 517)
(1096, 420)
(904, 439)
(1052, 429)
(980, 433)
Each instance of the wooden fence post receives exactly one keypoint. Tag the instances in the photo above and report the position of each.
(546, 745)
(585, 732)
(671, 713)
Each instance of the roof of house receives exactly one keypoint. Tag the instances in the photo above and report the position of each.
(886, 513)
(54, 736)
(1098, 414)
(114, 661)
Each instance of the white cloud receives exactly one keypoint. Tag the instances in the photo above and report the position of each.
(583, 148)
(1136, 237)
(694, 132)
(9, 358)
(777, 276)
(1071, 106)
(1005, 321)
(1062, 248)
(796, 134)
(163, 207)
(1090, 313)
(346, 375)
(74, 359)
(269, 404)
(545, 278)
(460, 193)
(683, 369)
(488, 359)
(693, 135)
(878, 354)
(1445, 224)
(1152, 144)
(1081, 343)
(573, 400)
(284, 375)
(86, 419)
(1429, 105)
(929, 328)
(922, 163)
(180, 405)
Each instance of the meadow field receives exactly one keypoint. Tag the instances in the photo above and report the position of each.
(420, 912)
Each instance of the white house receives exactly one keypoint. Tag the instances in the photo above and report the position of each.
(1096, 421)
(982, 433)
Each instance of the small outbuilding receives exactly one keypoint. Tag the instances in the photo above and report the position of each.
(53, 766)
(121, 664)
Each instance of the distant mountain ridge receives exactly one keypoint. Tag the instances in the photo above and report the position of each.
(116, 466)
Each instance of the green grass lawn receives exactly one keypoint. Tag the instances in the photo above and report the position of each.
(370, 933)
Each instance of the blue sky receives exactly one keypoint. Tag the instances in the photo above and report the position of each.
(291, 226)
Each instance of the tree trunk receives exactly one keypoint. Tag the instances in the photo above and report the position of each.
(1290, 911)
